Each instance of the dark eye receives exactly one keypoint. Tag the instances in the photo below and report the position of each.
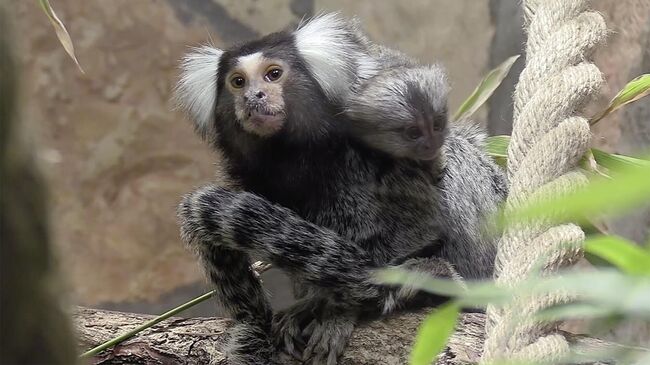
(237, 82)
(438, 126)
(273, 74)
(413, 132)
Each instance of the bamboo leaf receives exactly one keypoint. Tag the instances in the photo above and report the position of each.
(625, 255)
(588, 163)
(61, 32)
(497, 147)
(633, 91)
(471, 294)
(485, 89)
(611, 290)
(573, 311)
(616, 162)
(629, 189)
(434, 334)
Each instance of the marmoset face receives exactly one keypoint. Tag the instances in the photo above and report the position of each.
(403, 113)
(256, 85)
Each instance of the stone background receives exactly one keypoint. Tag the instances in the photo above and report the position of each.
(118, 157)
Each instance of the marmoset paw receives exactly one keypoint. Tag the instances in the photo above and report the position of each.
(288, 327)
(201, 216)
(328, 339)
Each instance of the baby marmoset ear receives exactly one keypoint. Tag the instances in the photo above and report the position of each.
(336, 54)
(196, 91)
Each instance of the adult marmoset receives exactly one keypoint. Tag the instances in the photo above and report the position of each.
(316, 202)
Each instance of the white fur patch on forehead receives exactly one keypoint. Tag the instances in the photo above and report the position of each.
(335, 53)
(249, 63)
(196, 91)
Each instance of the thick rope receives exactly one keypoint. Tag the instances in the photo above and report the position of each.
(548, 140)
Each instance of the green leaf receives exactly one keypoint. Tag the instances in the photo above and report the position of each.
(485, 89)
(616, 162)
(573, 311)
(434, 334)
(61, 32)
(588, 163)
(595, 160)
(614, 292)
(627, 190)
(633, 91)
(597, 261)
(472, 294)
(420, 281)
(625, 255)
(497, 146)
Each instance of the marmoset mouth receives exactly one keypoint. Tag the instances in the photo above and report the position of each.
(261, 112)
(263, 115)
(264, 121)
(427, 156)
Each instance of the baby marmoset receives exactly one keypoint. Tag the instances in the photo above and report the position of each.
(402, 108)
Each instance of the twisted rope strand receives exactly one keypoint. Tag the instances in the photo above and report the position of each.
(547, 142)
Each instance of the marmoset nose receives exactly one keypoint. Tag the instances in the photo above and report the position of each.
(260, 94)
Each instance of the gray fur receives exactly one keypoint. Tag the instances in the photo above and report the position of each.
(401, 95)
(382, 106)
(472, 187)
(353, 211)
(385, 106)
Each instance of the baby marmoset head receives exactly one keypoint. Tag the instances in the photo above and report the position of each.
(402, 111)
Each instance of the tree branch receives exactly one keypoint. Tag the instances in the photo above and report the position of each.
(201, 340)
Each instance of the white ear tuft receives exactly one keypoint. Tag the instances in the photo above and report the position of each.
(335, 53)
(196, 91)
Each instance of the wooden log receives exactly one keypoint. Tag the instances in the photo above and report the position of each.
(200, 340)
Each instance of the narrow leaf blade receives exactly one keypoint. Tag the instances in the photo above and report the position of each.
(615, 162)
(471, 294)
(628, 189)
(485, 89)
(497, 146)
(434, 334)
(633, 91)
(625, 255)
(61, 32)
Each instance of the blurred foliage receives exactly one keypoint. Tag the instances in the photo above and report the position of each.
(34, 326)
(434, 332)
(627, 190)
